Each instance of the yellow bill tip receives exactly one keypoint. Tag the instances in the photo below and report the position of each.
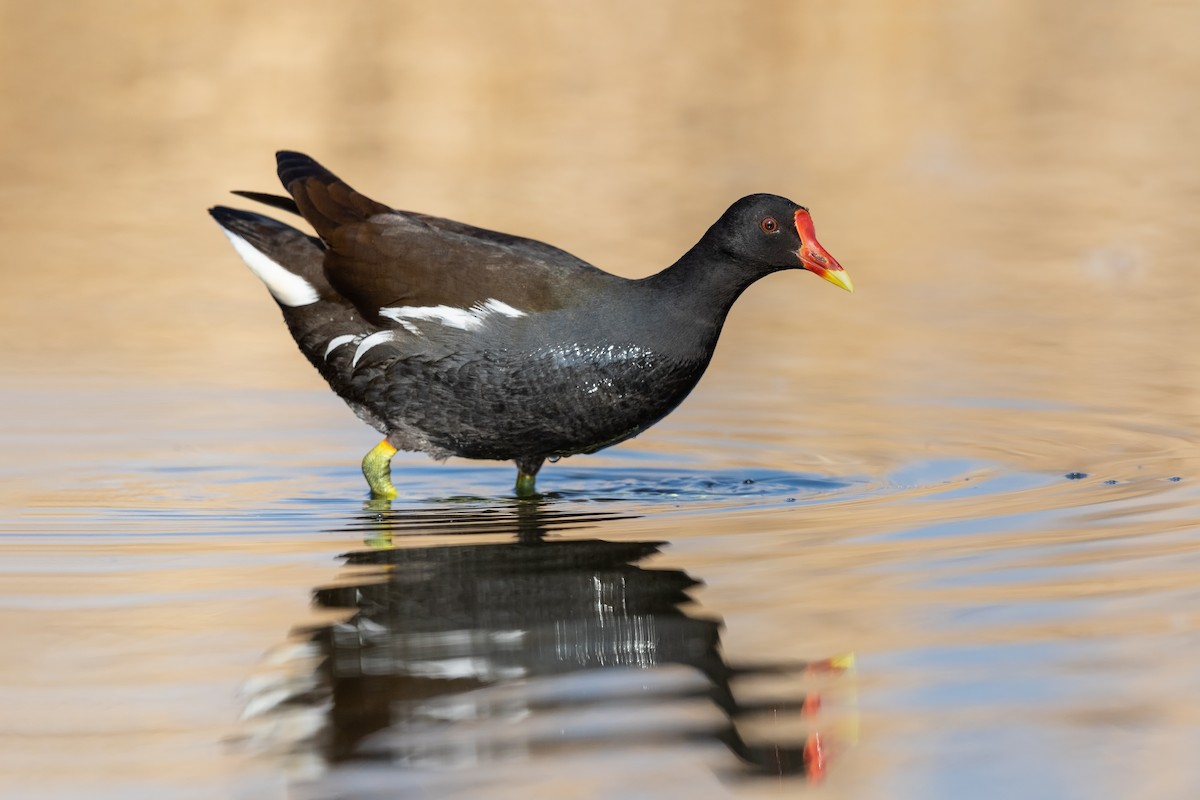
(838, 277)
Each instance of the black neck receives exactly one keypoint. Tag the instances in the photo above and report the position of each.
(701, 287)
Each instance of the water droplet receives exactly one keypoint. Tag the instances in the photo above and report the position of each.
(554, 459)
(748, 481)
(1075, 476)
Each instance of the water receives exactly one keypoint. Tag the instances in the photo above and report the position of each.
(933, 539)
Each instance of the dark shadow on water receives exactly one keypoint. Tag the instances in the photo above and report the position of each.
(526, 520)
(657, 485)
(641, 487)
(480, 653)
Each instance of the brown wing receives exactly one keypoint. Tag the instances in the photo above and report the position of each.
(379, 257)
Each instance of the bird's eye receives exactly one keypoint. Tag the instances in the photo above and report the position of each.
(769, 225)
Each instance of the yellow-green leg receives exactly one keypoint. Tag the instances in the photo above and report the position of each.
(527, 470)
(526, 484)
(377, 469)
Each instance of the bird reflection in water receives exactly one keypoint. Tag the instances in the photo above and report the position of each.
(470, 653)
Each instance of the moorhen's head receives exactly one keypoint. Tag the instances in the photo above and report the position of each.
(769, 233)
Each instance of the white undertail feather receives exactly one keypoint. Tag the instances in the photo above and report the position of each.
(369, 342)
(467, 319)
(337, 342)
(286, 287)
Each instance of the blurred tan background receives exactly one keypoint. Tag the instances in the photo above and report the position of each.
(977, 166)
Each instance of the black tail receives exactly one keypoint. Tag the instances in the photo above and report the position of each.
(264, 233)
(322, 198)
(273, 200)
(289, 261)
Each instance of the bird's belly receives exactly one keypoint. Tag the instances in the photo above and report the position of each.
(557, 400)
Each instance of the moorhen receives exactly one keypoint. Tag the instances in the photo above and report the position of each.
(459, 341)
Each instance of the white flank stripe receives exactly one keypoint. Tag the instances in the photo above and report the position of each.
(467, 319)
(287, 287)
(369, 342)
(500, 307)
(337, 342)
